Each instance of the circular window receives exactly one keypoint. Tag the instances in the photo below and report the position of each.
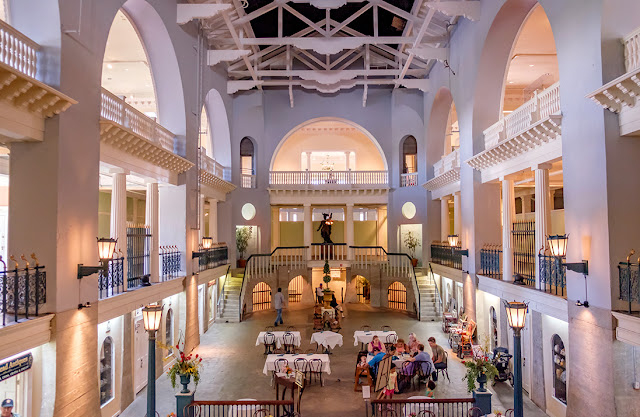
(409, 210)
(248, 211)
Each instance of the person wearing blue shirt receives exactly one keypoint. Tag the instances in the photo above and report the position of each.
(373, 363)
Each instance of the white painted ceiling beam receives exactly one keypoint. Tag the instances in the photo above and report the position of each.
(429, 52)
(232, 30)
(310, 74)
(372, 40)
(215, 56)
(467, 9)
(188, 12)
(417, 42)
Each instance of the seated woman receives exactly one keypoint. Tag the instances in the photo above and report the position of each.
(413, 343)
(376, 344)
(401, 347)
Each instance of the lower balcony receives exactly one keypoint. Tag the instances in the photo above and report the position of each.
(303, 180)
(445, 255)
(213, 257)
(23, 292)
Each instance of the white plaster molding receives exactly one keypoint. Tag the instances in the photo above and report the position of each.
(429, 52)
(327, 4)
(235, 86)
(216, 56)
(29, 334)
(215, 182)
(445, 271)
(628, 328)
(328, 46)
(442, 180)
(318, 196)
(210, 274)
(328, 77)
(188, 12)
(328, 88)
(422, 84)
(467, 9)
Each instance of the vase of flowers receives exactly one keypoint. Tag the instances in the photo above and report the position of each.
(479, 369)
(185, 366)
(411, 242)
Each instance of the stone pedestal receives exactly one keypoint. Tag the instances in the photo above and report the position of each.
(328, 296)
(483, 401)
(182, 401)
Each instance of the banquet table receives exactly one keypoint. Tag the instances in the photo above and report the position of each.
(327, 339)
(361, 336)
(270, 363)
(415, 408)
(279, 338)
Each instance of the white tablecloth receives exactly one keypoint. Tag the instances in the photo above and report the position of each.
(360, 336)
(270, 363)
(327, 339)
(243, 410)
(417, 407)
(331, 311)
(279, 338)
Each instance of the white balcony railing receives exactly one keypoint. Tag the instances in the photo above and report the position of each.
(329, 178)
(211, 166)
(17, 50)
(248, 181)
(329, 252)
(409, 180)
(540, 107)
(447, 163)
(632, 50)
(115, 109)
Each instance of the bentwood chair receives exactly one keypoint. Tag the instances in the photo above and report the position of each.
(445, 370)
(269, 329)
(302, 365)
(385, 328)
(291, 329)
(426, 413)
(423, 371)
(263, 412)
(269, 341)
(407, 373)
(280, 365)
(315, 371)
(289, 341)
(391, 340)
(365, 328)
(475, 412)
(509, 413)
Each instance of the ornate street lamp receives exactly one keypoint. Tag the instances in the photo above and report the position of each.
(106, 248)
(517, 314)
(454, 241)
(558, 247)
(152, 316)
(207, 242)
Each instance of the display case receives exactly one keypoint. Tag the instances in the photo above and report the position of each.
(559, 369)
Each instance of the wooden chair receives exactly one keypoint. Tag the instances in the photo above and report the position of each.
(289, 341)
(278, 351)
(509, 412)
(269, 341)
(386, 328)
(315, 371)
(263, 412)
(422, 375)
(292, 329)
(362, 372)
(475, 412)
(407, 373)
(278, 366)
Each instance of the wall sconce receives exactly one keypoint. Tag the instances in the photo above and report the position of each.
(454, 241)
(106, 248)
(207, 242)
(558, 247)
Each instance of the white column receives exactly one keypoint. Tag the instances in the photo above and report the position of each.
(201, 232)
(457, 214)
(349, 232)
(152, 220)
(445, 225)
(119, 214)
(543, 211)
(508, 216)
(526, 204)
(213, 220)
(308, 226)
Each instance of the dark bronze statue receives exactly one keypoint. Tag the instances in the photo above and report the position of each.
(325, 227)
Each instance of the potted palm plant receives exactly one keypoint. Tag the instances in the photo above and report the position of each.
(243, 234)
(411, 242)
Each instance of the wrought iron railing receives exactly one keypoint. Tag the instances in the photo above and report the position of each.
(138, 247)
(553, 275)
(523, 236)
(24, 290)
(439, 407)
(213, 257)
(111, 282)
(170, 262)
(628, 283)
(443, 254)
(491, 261)
(244, 408)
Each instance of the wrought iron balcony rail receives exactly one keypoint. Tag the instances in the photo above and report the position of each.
(138, 256)
(553, 275)
(170, 262)
(628, 283)
(523, 240)
(213, 257)
(491, 261)
(437, 407)
(445, 255)
(24, 290)
(111, 282)
(240, 408)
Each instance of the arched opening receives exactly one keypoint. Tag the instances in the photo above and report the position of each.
(219, 134)
(452, 134)
(168, 331)
(107, 363)
(493, 328)
(295, 289)
(397, 296)
(363, 289)
(205, 133)
(261, 296)
(247, 163)
(126, 71)
(409, 162)
(559, 368)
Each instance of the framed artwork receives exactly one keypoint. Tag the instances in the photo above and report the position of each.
(383, 373)
(300, 379)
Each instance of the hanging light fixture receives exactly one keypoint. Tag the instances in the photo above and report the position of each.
(207, 242)
(106, 248)
(453, 240)
(558, 246)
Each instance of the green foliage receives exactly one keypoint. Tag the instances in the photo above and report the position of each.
(184, 364)
(411, 242)
(479, 365)
(243, 234)
(327, 273)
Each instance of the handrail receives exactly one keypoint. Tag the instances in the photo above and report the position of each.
(18, 50)
(226, 278)
(440, 302)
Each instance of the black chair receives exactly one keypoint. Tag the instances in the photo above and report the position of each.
(391, 340)
(426, 413)
(280, 365)
(422, 373)
(444, 370)
(475, 412)
(269, 341)
(269, 329)
(292, 329)
(405, 375)
(365, 328)
(289, 341)
(386, 328)
(509, 413)
(302, 365)
(315, 371)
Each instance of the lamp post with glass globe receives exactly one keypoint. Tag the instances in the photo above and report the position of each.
(151, 315)
(517, 314)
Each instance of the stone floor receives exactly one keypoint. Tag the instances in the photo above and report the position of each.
(233, 365)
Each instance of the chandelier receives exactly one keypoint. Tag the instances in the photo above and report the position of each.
(327, 164)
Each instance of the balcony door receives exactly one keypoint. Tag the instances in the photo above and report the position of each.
(140, 352)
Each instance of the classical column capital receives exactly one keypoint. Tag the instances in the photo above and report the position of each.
(545, 165)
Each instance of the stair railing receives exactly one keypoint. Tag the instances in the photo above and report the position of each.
(439, 303)
(224, 284)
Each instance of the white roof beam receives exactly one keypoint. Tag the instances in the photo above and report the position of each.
(429, 52)
(417, 42)
(347, 74)
(215, 56)
(467, 9)
(351, 19)
(306, 20)
(188, 12)
(232, 30)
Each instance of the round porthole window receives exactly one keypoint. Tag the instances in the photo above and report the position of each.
(248, 211)
(409, 210)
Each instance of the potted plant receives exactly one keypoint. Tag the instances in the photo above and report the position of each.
(411, 242)
(243, 234)
(327, 279)
(480, 369)
(185, 366)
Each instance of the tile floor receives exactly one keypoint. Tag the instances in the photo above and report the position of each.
(233, 365)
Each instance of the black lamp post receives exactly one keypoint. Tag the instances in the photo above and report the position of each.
(151, 314)
(517, 314)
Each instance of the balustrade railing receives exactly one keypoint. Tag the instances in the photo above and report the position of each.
(294, 257)
(409, 180)
(435, 407)
(138, 255)
(248, 181)
(543, 104)
(170, 262)
(491, 261)
(18, 51)
(553, 275)
(24, 290)
(523, 238)
(213, 167)
(628, 273)
(447, 163)
(243, 408)
(445, 255)
(111, 281)
(632, 50)
(329, 251)
(117, 110)
(364, 256)
(213, 257)
(329, 178)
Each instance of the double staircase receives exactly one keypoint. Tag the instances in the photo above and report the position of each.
(229, 301)
(430, 306)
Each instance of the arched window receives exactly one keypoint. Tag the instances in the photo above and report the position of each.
(559, 369)
(107, 362)
(397, 296)
(409, 177)
(247, 163)
(363, 289)
(295, 289)
(261, 296)
(168, 331)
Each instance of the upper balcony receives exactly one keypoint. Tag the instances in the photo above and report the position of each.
(621, 95)
(131, 137)
(446, 176)
(214, 177)
(530, 134)
(25, 102)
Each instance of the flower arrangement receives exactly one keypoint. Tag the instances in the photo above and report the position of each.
(171, 415)
(477, 366)
(288, 371)
(186, 364)
(498, 413)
